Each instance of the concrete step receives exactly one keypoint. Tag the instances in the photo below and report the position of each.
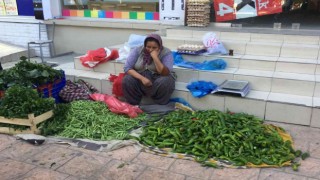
(269, 56)
(284, 75)
(247, 37)
(238, 47)
(261, 48)
(291, 58)
(273, 106)
(11, 53)
(260, 80)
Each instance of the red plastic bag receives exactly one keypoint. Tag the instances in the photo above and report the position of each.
(117, 84)
(94, 57)
(117, 106)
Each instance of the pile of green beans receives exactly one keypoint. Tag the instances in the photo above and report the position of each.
(237, 138)
(93, 120)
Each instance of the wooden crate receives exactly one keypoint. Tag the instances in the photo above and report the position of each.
(32, 122)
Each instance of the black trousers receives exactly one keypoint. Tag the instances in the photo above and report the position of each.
(160, 91)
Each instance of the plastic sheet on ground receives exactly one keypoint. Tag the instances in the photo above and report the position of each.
(105, 146)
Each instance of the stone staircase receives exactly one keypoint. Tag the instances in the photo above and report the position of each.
(283, 71)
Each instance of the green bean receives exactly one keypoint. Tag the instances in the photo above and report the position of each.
(93, 120)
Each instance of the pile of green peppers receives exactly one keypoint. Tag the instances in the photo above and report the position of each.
(235, 138)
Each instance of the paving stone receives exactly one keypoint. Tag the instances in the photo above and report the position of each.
(192, 178)
(191, 168)
(309, 167)
(268, 174)
(231, 174)
(52, 157)
(6, 141)
(300, 144)
(11, 169)
(22, 150)
(299, 132)
(84, 165)
(118, 170)
(41, 173)
(158, 174)
(74, 178)
(153, 160)
(85, 151)
(315, 150)
(124, 154)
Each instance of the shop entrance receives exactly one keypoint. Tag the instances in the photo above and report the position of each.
(301, 14)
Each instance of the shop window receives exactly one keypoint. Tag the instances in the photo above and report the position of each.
(306, 13)
(112, 5)
(117, 9)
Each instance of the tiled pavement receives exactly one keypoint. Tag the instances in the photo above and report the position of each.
(20, 160)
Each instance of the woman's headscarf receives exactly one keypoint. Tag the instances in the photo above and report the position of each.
(147, 59)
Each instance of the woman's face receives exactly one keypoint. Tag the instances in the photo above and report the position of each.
(151, 46)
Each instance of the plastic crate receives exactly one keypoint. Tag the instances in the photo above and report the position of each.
(52, 89)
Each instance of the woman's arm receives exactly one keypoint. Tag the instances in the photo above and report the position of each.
(131, 60)
(145, 81)
(129, 67)
(164, 65)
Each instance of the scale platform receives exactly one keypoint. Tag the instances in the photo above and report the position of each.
(233, 87)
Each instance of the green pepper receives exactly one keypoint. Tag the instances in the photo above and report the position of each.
(305, 155)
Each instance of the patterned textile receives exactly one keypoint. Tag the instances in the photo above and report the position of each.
(80, 90)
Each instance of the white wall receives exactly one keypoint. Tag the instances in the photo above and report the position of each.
(75, 35)
(21, 33)
(81, 39)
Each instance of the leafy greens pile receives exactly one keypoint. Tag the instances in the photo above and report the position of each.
(20, 101)
(28, 74)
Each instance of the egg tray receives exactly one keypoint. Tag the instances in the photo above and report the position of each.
(192, 52)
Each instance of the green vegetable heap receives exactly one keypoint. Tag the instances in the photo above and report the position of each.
(28, 74)
(20, 101)
(90, 120)
(237, 138)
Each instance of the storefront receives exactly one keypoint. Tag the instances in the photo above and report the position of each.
(249, 13)
(108, 22)
(16, 7)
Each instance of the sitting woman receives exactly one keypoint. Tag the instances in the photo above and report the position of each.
(149, 72)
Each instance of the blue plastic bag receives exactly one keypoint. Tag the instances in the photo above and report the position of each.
(177, 57)
(180, 100)
(217, 64)
(199, 89)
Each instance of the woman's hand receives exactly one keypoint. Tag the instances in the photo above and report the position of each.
(155, 53)
(146, 82)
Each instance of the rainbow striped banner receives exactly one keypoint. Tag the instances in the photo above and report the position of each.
(111, 14)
